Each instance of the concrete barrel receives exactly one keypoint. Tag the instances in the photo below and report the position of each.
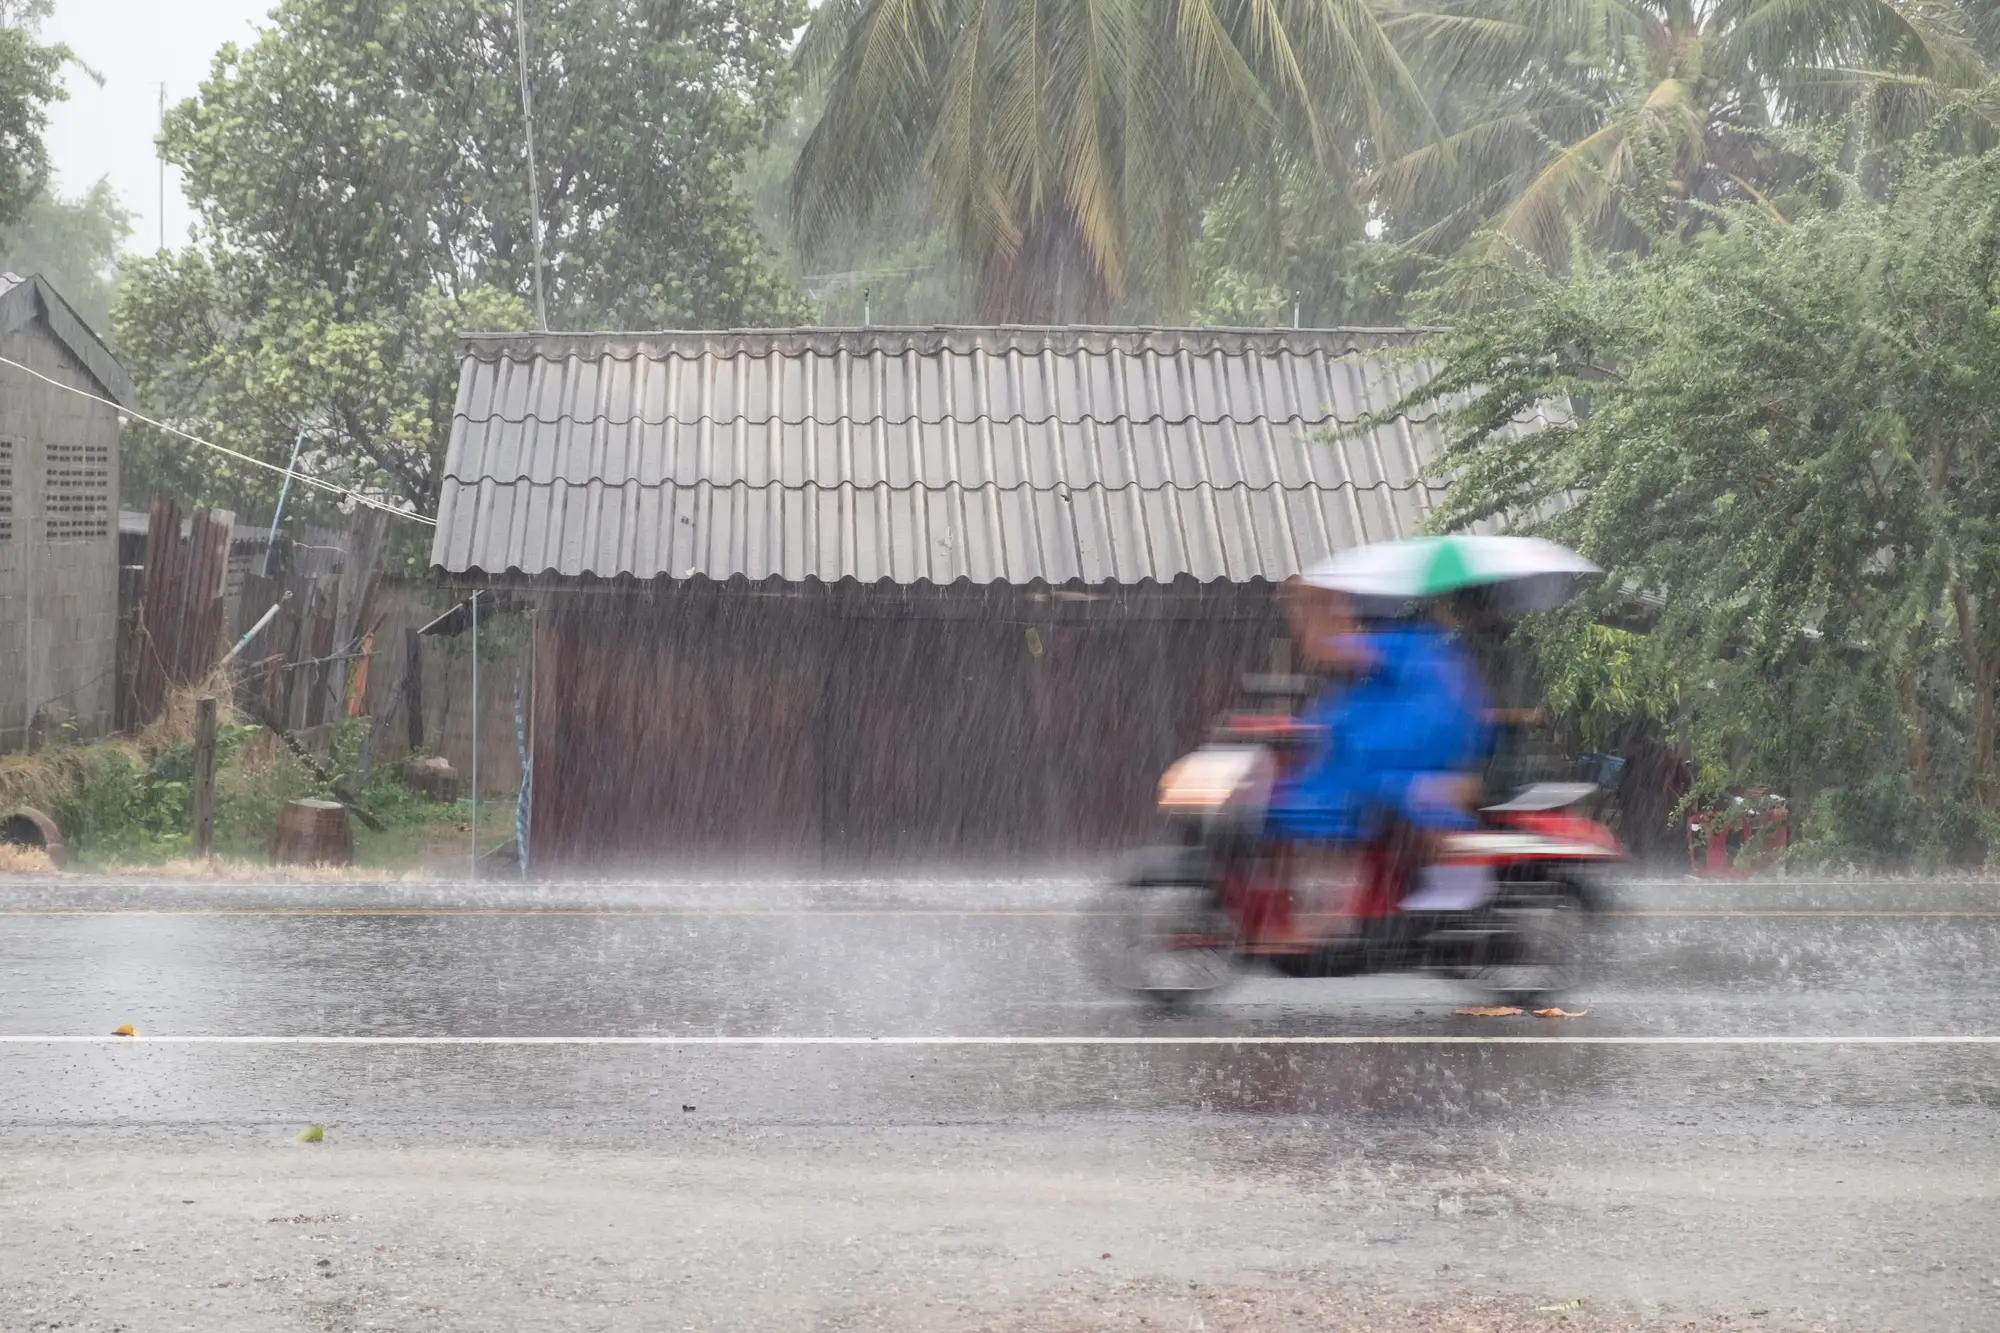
(24, 826)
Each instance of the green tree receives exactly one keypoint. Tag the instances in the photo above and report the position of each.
(360, 177)
(30, 79)
(1620, 118)
(1070, 147)
(1787, 430)
(236, 350)
(1259, 262)
(74, 243)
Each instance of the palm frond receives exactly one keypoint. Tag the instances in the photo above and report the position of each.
(966, 190)
(875, 120)
(1078, 75)
(1014, 106)
(1492, 42)
(1219, 76)
(1906, 35)
(1111, 121)
(825, 38)
(1575, 188)
(1158, 141)
(1356, 72)
(1501, 149)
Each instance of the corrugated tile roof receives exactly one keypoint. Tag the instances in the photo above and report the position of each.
(928, 455)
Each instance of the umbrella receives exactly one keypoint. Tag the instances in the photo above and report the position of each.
(1520, 573)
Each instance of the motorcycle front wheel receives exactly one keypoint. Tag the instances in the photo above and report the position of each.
(1170, 945)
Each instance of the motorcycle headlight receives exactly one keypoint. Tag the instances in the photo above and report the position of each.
(1213, 778)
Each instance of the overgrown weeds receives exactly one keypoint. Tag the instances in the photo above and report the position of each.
(24, 860)
(127, 803)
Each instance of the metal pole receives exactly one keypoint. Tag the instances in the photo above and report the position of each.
(534, 180)
(413, 688)
(284, 492)
(203, 795)
(255, 630)
(161, 149)
(475, 735)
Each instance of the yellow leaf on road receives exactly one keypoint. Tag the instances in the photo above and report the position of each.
(124, 1030)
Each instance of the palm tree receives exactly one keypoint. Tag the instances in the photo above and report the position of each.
(1621, 117)
(1069, 145)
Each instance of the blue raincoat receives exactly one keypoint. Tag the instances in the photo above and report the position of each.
(1391, 739)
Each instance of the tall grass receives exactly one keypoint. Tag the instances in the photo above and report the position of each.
(126, 801)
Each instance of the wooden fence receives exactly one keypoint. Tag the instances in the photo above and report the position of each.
(204, 583)
(298, 669)
(176, 630)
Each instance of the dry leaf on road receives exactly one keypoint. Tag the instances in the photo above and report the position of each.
(1489, 1011)
(124, 1030)
(1560, 1013)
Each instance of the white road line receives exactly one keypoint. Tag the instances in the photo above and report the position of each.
(1025, 913)
(72, 1039)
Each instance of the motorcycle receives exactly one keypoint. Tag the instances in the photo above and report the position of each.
(1506, 907)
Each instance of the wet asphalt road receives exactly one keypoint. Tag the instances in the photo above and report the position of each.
(901, 1103)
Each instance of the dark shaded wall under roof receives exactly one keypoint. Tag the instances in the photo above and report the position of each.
(853, 726)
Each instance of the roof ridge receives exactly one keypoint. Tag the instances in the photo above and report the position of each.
(1151, 419)
(665, 344)
(1318, 488)
(626, 578)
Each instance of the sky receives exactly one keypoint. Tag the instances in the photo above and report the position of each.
(108, 131)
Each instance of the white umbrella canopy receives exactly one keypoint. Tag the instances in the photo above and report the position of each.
(1522, 573)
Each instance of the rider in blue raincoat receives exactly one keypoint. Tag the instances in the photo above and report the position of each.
(1401, 729)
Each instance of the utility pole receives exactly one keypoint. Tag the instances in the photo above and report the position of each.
(534, 180)
(474, 784)
(160, 148)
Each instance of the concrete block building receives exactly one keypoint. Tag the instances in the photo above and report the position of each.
(58, 516)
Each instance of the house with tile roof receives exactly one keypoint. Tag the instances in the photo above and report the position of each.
(849, 595)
